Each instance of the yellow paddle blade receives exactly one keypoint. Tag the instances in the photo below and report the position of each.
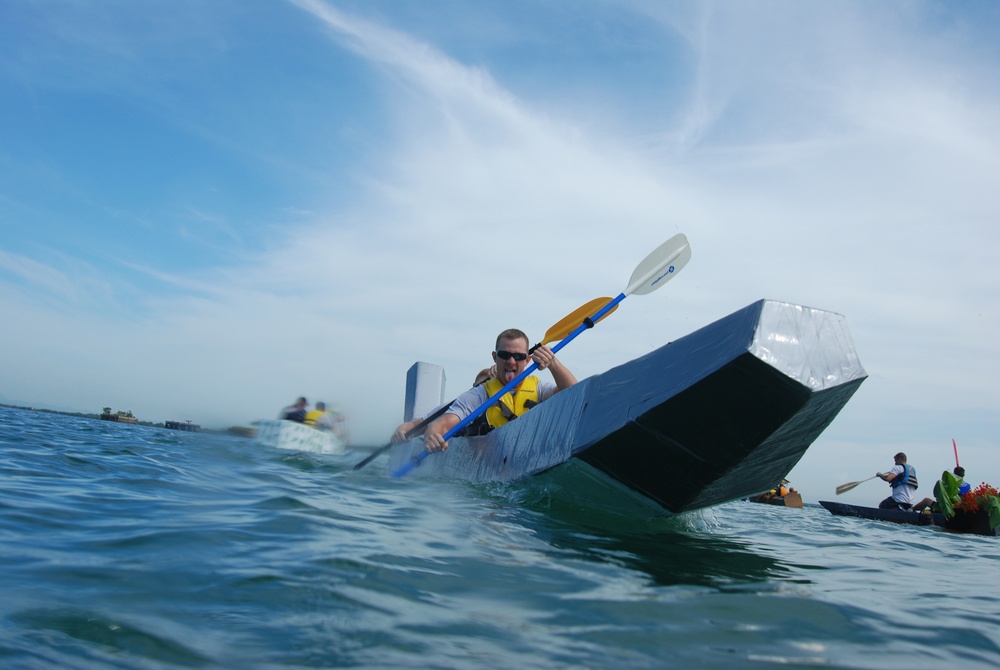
(571, 321)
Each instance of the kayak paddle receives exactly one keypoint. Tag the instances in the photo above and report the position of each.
(553, 334)
(412, 432)
(654, 271)
(572, 320)
(844, 488)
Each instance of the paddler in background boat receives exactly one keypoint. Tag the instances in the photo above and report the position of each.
(963, 488)
(510, 357)
(296, 412)
(903, 480)
(779, 491)
(399, 435)
(322, 418)
(784, 490)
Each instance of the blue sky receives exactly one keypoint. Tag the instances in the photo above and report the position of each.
(207, 209)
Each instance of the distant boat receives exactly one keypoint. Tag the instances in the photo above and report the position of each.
(284, 434)
(242, 431)
(976, 524)
(718, 415)
(120, 418)
(182, 425)
(791, 499)
(892, 515)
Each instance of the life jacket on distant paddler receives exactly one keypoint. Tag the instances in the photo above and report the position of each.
(508, 408)
(909, 477)
(311, 416)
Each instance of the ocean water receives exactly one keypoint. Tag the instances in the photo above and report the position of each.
(136, 547)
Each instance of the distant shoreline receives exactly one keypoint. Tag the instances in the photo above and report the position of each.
(97, 416)
(235, 431)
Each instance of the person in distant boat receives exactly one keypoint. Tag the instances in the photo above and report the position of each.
(779, 491)
(783, 489)
(322, 418)
(963, 488)
(296, 412)
(510, 358)
(399, 435)
(903, 480)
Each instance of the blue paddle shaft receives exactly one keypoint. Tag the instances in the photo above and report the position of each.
(588, 323)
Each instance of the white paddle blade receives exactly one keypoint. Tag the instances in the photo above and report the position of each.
(660, 266)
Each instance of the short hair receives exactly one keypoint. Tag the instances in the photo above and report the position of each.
(511, 334)
(900, 456)
(959, 470)
(320, 405)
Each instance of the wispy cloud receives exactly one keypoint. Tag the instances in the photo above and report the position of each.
(39, 276)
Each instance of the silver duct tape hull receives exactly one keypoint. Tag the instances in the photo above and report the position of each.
(719, 414)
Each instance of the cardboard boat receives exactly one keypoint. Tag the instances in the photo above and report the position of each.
(714, 416)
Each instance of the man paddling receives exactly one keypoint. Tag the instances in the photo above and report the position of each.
(400, 434)
(510, 357)
(903, 480)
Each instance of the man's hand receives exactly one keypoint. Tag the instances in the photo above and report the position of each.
(434, 442)
(434, 437)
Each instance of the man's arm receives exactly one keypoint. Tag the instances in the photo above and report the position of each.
(434, 435)
(560, 373)
(402, 429)
(462, 406)
(887, 476)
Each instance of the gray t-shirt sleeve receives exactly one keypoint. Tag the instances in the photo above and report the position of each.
(469, 402)
(546, 389)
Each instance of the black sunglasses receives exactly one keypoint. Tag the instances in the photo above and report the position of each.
(505, 355)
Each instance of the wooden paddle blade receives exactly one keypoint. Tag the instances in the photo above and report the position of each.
(660, 266)
(844, 488)
(570, 322)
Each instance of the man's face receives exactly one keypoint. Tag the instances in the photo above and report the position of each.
(511, 367)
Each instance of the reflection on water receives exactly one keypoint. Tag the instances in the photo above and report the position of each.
(572, 511)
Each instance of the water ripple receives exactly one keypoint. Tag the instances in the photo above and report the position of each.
(136, 547)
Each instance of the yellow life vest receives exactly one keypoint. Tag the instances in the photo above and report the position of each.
(311, 417)
(510, 407)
